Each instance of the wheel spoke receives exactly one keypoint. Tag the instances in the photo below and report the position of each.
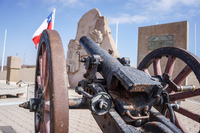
(38, 126)
(189, 114)
(183, 95)
(39, 81)
(42, 128)
(182, 75)
(179, 124)
(44, 63)
(47, 106)
(40, 65)
(146, 71)
(156, 67)
(46, 85)
(170, 65)
(47, 121)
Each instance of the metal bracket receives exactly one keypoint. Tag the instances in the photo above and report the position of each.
(91, 65)
(100, 102)
(175, 87)
(124, 61)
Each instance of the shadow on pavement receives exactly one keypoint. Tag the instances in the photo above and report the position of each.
(7, 129)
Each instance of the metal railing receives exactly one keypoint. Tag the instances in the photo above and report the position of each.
(22, 84)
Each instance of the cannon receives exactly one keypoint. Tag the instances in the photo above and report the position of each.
(124, 100)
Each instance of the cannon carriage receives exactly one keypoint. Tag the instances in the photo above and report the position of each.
(125, 100)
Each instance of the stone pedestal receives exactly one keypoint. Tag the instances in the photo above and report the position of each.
(13, 69)
(163, 35)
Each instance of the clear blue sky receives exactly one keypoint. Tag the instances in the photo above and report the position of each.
(21, 18)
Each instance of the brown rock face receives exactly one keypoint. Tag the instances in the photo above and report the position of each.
(95, 26)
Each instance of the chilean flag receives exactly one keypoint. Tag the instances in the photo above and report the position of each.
(47, 24)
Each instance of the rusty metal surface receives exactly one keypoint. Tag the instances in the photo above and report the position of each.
(51, 71)
(129, 101)
(79, 103)
(113, 123)
(156, 116)
(155, 127)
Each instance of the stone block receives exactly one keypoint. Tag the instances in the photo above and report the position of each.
(13, 69)
(13, 75)
(14, 62)
(162, 35)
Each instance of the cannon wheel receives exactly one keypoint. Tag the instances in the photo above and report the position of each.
(51, 85)
(192, 65)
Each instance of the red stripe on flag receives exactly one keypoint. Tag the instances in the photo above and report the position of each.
(50, 25)
(36, 40)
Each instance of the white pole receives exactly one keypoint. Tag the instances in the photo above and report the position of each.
(53, 17)
(2, 63)
(195, 39)
(116, 34)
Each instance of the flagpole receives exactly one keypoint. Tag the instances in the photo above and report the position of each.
(2, 63)
(53, 19)
(116, 34)
(195, 39)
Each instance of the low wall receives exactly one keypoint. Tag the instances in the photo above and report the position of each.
(26, 74)
(3, 75)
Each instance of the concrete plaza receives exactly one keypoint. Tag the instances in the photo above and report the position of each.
(18, 120)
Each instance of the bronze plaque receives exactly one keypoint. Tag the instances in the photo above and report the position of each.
(155, 42)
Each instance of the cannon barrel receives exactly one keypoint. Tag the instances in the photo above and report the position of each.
(108, 62)
(114, 72)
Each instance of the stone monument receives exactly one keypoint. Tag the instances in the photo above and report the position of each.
(95, 26)
(163, 35)
(13, 69)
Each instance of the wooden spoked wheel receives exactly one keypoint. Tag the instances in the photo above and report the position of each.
(51, 83)
(173, 56)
